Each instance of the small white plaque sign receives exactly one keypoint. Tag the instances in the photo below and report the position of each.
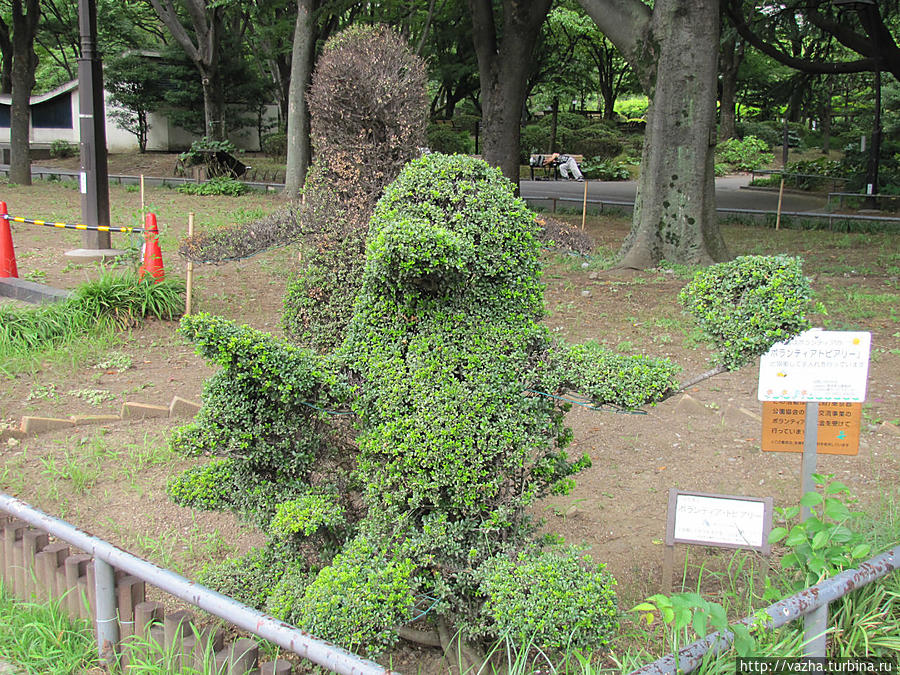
(719, 520)
(817, 365)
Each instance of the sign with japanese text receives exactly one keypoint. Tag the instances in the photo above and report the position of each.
(817, 365)
(719, 520)
(784, 427)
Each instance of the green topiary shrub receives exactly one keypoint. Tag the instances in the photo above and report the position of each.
(746, 305)
(458, 392)
(265, 411)
(575, 609)
(357, 601)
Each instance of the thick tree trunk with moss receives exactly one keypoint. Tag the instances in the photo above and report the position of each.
(673, 48)
(675, 210)
(299, 148)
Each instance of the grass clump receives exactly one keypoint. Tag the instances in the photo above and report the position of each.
(40, 638)
(111, 302)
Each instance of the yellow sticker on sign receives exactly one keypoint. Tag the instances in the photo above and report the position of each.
(784, 424)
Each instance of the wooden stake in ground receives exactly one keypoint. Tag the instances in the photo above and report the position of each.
(780, 195)
(142, 198)
(584, 206)
(190, 269)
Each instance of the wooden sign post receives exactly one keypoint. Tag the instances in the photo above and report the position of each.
(715, 520)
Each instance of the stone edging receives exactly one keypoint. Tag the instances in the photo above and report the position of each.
(31, 426)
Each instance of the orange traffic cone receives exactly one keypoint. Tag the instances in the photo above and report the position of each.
(7, 252)
(152, 263)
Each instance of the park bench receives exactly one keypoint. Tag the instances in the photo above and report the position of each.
(549, 170)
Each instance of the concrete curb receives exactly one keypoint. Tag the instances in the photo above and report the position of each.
(31, 425)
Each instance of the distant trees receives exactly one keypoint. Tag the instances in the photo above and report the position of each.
(134, 85)
(19, 56)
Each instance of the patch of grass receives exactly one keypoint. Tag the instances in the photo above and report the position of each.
(113, 301)
(41, 639)
(853, 304)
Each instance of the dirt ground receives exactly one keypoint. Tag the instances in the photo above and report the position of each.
(110, 479)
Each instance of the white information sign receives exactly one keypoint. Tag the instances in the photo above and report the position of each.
(715, 520)
(83, 183)
(817, 365)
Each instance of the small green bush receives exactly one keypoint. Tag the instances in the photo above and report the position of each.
(214, 187)
(746, 305)
(62, 149)
(767, 132)
(744, 155)
(575, 609)
(565, 119)
(444, 139)
(275, 144)
(359, 599)
(603, 145)
(598, 168)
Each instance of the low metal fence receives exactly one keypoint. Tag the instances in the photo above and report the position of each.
(105, 584)
(812, 602)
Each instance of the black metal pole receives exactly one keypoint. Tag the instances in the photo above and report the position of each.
(875, 150)
(92, 125)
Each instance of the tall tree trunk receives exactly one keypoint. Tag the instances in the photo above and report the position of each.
(6, 59)
(207, 23)
(673, 51)
(826, 115)
(24, 26)
(731, 56)
(675, 210)
(554, 124)
(299, 149)
(504, 54)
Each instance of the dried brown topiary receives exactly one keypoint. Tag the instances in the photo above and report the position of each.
(368, 109)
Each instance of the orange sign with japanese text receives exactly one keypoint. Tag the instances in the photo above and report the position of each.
(784, 424)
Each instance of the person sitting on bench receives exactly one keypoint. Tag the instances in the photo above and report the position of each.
(566, 163)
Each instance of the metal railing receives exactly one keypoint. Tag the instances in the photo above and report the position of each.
(108, 558)
(757, 213)
(780, 613)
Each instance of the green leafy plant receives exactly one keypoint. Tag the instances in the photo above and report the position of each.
(690, 616)
(825, 543)
(61, 149)
(216, 186)
(746, 305)
(599, 168)
(746, 154)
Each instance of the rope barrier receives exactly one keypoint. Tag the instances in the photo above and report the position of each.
(73, 226)
(589, 406)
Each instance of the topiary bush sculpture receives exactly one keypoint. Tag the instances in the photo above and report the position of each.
(368, 116)
(458, 393)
